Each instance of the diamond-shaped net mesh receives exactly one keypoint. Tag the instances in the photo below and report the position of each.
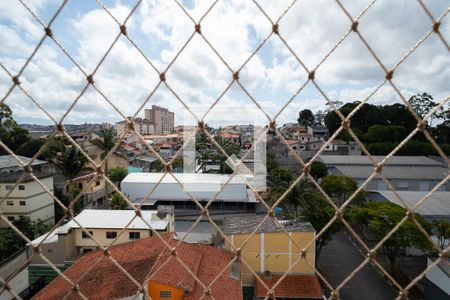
(199, 26)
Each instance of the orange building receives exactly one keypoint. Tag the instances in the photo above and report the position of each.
(155, 268)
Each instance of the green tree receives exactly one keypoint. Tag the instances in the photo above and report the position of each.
(117, 174)
(70, 161)
(105, 143)
(279, 181)
(203, 156)
(380, 218)
(318, 169)
(117, 202)
(385, 133)
(11, 134)
(11, 242)
(442, 230)
(341, 188)
(30, 148)
(423, 104)
(306, 118)
(442, 132)
(318, 212)
(158, 166)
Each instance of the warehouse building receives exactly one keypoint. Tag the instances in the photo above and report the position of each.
(161, 189)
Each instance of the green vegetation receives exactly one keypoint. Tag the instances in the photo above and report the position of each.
(379, 218)
(442, 231)
(11, 242)
(117, 202)
(341, 188)
(11, 134)
(105, 143)
(318, 170)
(117, 174)
(383, 127)
(207, 151)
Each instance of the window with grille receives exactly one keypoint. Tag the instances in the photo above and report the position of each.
(111, 234)
(21, 188)
(165, 294)
(84, 235)
(10, 203)
(22, 203)
(134, 235)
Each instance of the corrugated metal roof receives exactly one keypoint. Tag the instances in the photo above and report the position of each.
(364, 160)
(437, 205)
(248, 223)
(8, 161)
(395, 172)
(184, 178)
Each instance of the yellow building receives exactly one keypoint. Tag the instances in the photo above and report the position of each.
(275, 248)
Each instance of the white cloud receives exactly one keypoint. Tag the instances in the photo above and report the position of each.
(235, 29)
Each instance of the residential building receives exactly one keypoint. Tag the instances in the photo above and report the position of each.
(93, 192)
(69, 241)
(142, 126)
(163, 119)
(116, 159)
(233, 194)
(405, 173)
(340, 147)
(28, 198)
(275, 247)
(318, 132)
(232, 138)
(153, 266)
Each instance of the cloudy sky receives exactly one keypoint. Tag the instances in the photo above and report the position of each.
(235, 29)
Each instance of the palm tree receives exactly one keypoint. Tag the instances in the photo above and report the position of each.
(105, 143)
(71, 163)
(203, 156)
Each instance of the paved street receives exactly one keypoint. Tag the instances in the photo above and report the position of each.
(337, 260)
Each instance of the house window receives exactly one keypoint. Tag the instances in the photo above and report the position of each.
(10, 203)
(80, 185)
(84, 235)
(97, 183)
(22, 203)
(165, 294)
(9, 187)
(134, 235)
(11, 218)
(21, 188)
(111, 234)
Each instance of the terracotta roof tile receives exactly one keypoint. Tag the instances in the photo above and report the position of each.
(147, 259)
(292, 286)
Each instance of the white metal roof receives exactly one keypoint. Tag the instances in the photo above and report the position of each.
(184, 178)
(102, 218)
(437, 205)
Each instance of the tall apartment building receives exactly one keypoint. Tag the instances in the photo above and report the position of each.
(28, 198)
(162, 118)
(143, 126)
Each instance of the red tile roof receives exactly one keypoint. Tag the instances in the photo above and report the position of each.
(147, 259)
(292, 286)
